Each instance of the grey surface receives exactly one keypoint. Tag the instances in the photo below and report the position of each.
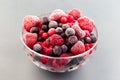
(105, 63)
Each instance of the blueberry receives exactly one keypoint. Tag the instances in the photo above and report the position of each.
(44, 28)
(72, 39)
(65, 26)
(69, 32)
(63, 35)
(37, 47)
(34, 30)
(60, 24)
(69, 45)
(53, 24)
(36, 57)
(41, 39)
(82, 39)
(64, 48)
(59, 30)
(57, 50)
(87, 39)
(45, 20)
(93, 38)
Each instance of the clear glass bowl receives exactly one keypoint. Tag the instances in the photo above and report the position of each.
(61, 64)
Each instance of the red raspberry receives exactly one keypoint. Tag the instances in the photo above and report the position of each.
(75, 13)
(51, 31)
(55, 63)
(30, 21)
(86, 23)
(78, 48)
(45, 44)
(63, 19)
(87, 33)
(47, 51)
(87, 47)
(41, 32)
(91, 45)
(30, 39)
(44, 60)
(56, 40)
(39, 43)
(70, 18)
(45, 35)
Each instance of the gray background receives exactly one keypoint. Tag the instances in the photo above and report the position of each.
(105, 63)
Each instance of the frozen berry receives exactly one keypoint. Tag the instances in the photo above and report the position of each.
(36, 57)
(41, 32)
(82, 40)
(75, 13)
(87, 33)
(45, 20)
(86, 23)
(69, 32)
(93, 38)
(45, 44)
(60, 25)
(57, 14)
(34, 30)
(30, 21)
(37, 47)
(72, 39)
(44, 28)
(48, 39)
(47, 51)
(30, 39)
(87, 39)
(57, 50)
(64, 48)
(69, 45)
(56, 40)
(51, 31)
(91, 45)
(44, 60)
(45, 35)
(65, 26)
(63, 35)
(41, 39)
(53, 24)
(55, 63)
(78, 48)
(87, 47)
(63, 19)
(70, 18)
(59, 30)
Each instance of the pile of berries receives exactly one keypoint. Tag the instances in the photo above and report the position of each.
(59, 35)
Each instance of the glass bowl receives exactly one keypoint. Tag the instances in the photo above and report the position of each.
(58, 64)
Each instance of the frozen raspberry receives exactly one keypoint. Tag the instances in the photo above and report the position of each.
(51, 31)
(57, 50)
(44, 60)
(44, 28)
(45, 35)
(86, 23)
(45, 44)
(45, 20)
(70, 18)
(87, 47)
(55, 63)
(78, 31)
(40, 43)
(87, 33)
(65, 26)
(56, 40)
(59, 30)
(57, 14)
(37, 47)
(72, 40)
(91, 45)
(78, 48)
(64, 48)
(53, 24)
(30, 39)
(63, 19)
(34, 30)
(30, 21)
(47, 51)
(75, 13)
(41, 32)
(69, 32)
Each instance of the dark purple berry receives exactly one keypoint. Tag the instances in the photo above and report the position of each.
(87, 40)
(65, 26)
(41, 39)
(48, 39)
(34, 30)
(60, 25)
(69, 32)
(69, 45)
(36, 57)
(59, 30)
(53, 24)
(63, 35)
(72, 40)
(64, 48)
(82, 40)
(37, 47)
(44, 28)
(57, 50)
(45, 20)
(93, 38)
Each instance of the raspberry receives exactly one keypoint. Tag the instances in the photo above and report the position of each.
(69, 32)
(30, 39)
(70, 18)
(41, 32)
(63, 19)
(78, 48)
(87, 47)
(45, 44)
(86, 23)
(57, 14)
(53, 24)
(47, 51)
(91, 45)
(44, 60)
(51, 31)
(55, 63)
(75, 13)
(37, 47)
(56, 40)
(78, 31)
(45, 35)
(87, 33)
(30, 21)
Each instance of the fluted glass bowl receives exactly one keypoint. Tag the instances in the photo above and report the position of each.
(58, 64)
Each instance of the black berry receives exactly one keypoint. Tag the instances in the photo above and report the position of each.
(87, 39)
(65, 26)
(41, 39)
(53, 24)
(34, 30)
(60, 25)
(72, 40)
(93, 38)
(44, 28)
(69, 32)
(59, 30)
(64, 48)
(63, 35)
(37, 47)
(45, 20)
(57, 50)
